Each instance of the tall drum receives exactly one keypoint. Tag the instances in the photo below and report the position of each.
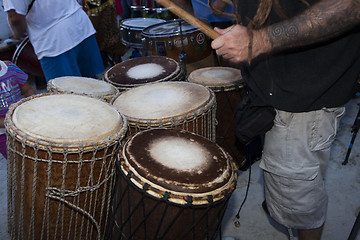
(143, 70)
(180, 105)
(177, 39)
(171, 184)
(61, 160)
(83, 85)
(228, 86)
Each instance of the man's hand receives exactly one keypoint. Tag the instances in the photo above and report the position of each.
(17, 23)
(233, 44)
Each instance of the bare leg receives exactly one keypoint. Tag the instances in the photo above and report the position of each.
(310, 234)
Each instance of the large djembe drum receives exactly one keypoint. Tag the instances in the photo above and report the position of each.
(61, 161)
(181, 105)
(143, 70)
(229, 89)
(83, 85)
(171, 184)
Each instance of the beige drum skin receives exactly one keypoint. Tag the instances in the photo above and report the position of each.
(181, 105)
(83, 85)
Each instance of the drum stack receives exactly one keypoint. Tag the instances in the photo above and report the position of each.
(146, 153)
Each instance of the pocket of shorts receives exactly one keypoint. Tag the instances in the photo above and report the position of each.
(325, 127)
(283, 118)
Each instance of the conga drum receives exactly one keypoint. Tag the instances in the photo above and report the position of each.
(228, 86)
(83, 85)
(143, 70)
(131, 29)
(171, 184)
(180, 105)
(176, 39)
(61, 161)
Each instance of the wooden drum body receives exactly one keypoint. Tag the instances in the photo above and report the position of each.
(175, 36)
(180, 105)
(171, 184)
(229, 88)
(61, 160)
(83, 85)
(143, 70)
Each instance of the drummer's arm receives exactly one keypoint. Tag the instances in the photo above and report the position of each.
(17, 23)
(27, 90)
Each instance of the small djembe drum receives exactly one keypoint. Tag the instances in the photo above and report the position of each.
(83, 85)
(143, 70)
(179, 105)
(229, 89)
(171, 184)
(61, 161)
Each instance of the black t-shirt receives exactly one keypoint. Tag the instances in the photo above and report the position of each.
(307, 78)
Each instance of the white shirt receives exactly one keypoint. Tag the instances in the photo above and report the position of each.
(54, 26)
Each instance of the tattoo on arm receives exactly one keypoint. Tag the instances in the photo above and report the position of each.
(327, 19)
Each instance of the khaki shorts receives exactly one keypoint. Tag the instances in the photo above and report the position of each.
(294, 160)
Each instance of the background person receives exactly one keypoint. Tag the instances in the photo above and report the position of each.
(61, 33)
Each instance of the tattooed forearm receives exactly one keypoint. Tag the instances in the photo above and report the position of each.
(323, 21)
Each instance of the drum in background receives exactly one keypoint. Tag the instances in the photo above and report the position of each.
(131, 29)
(155, 10)
(143, 70)
(83, 85)
(228, 86)
(137, 8)
(171, 184)
(61, 161)
(180, 105)
(25, 58)
(174, 38)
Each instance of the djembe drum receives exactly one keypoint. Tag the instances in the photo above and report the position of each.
(61, 161)
(171, 184)
(143, 70)
(83, 85)
(181, 105)
(228, 86)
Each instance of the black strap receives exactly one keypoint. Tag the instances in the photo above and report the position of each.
(30, 6)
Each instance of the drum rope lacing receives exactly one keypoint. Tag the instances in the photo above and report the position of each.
(35, 151)
(56, 193)
(130, 177)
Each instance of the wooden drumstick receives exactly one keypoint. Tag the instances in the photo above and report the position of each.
(189, 18)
